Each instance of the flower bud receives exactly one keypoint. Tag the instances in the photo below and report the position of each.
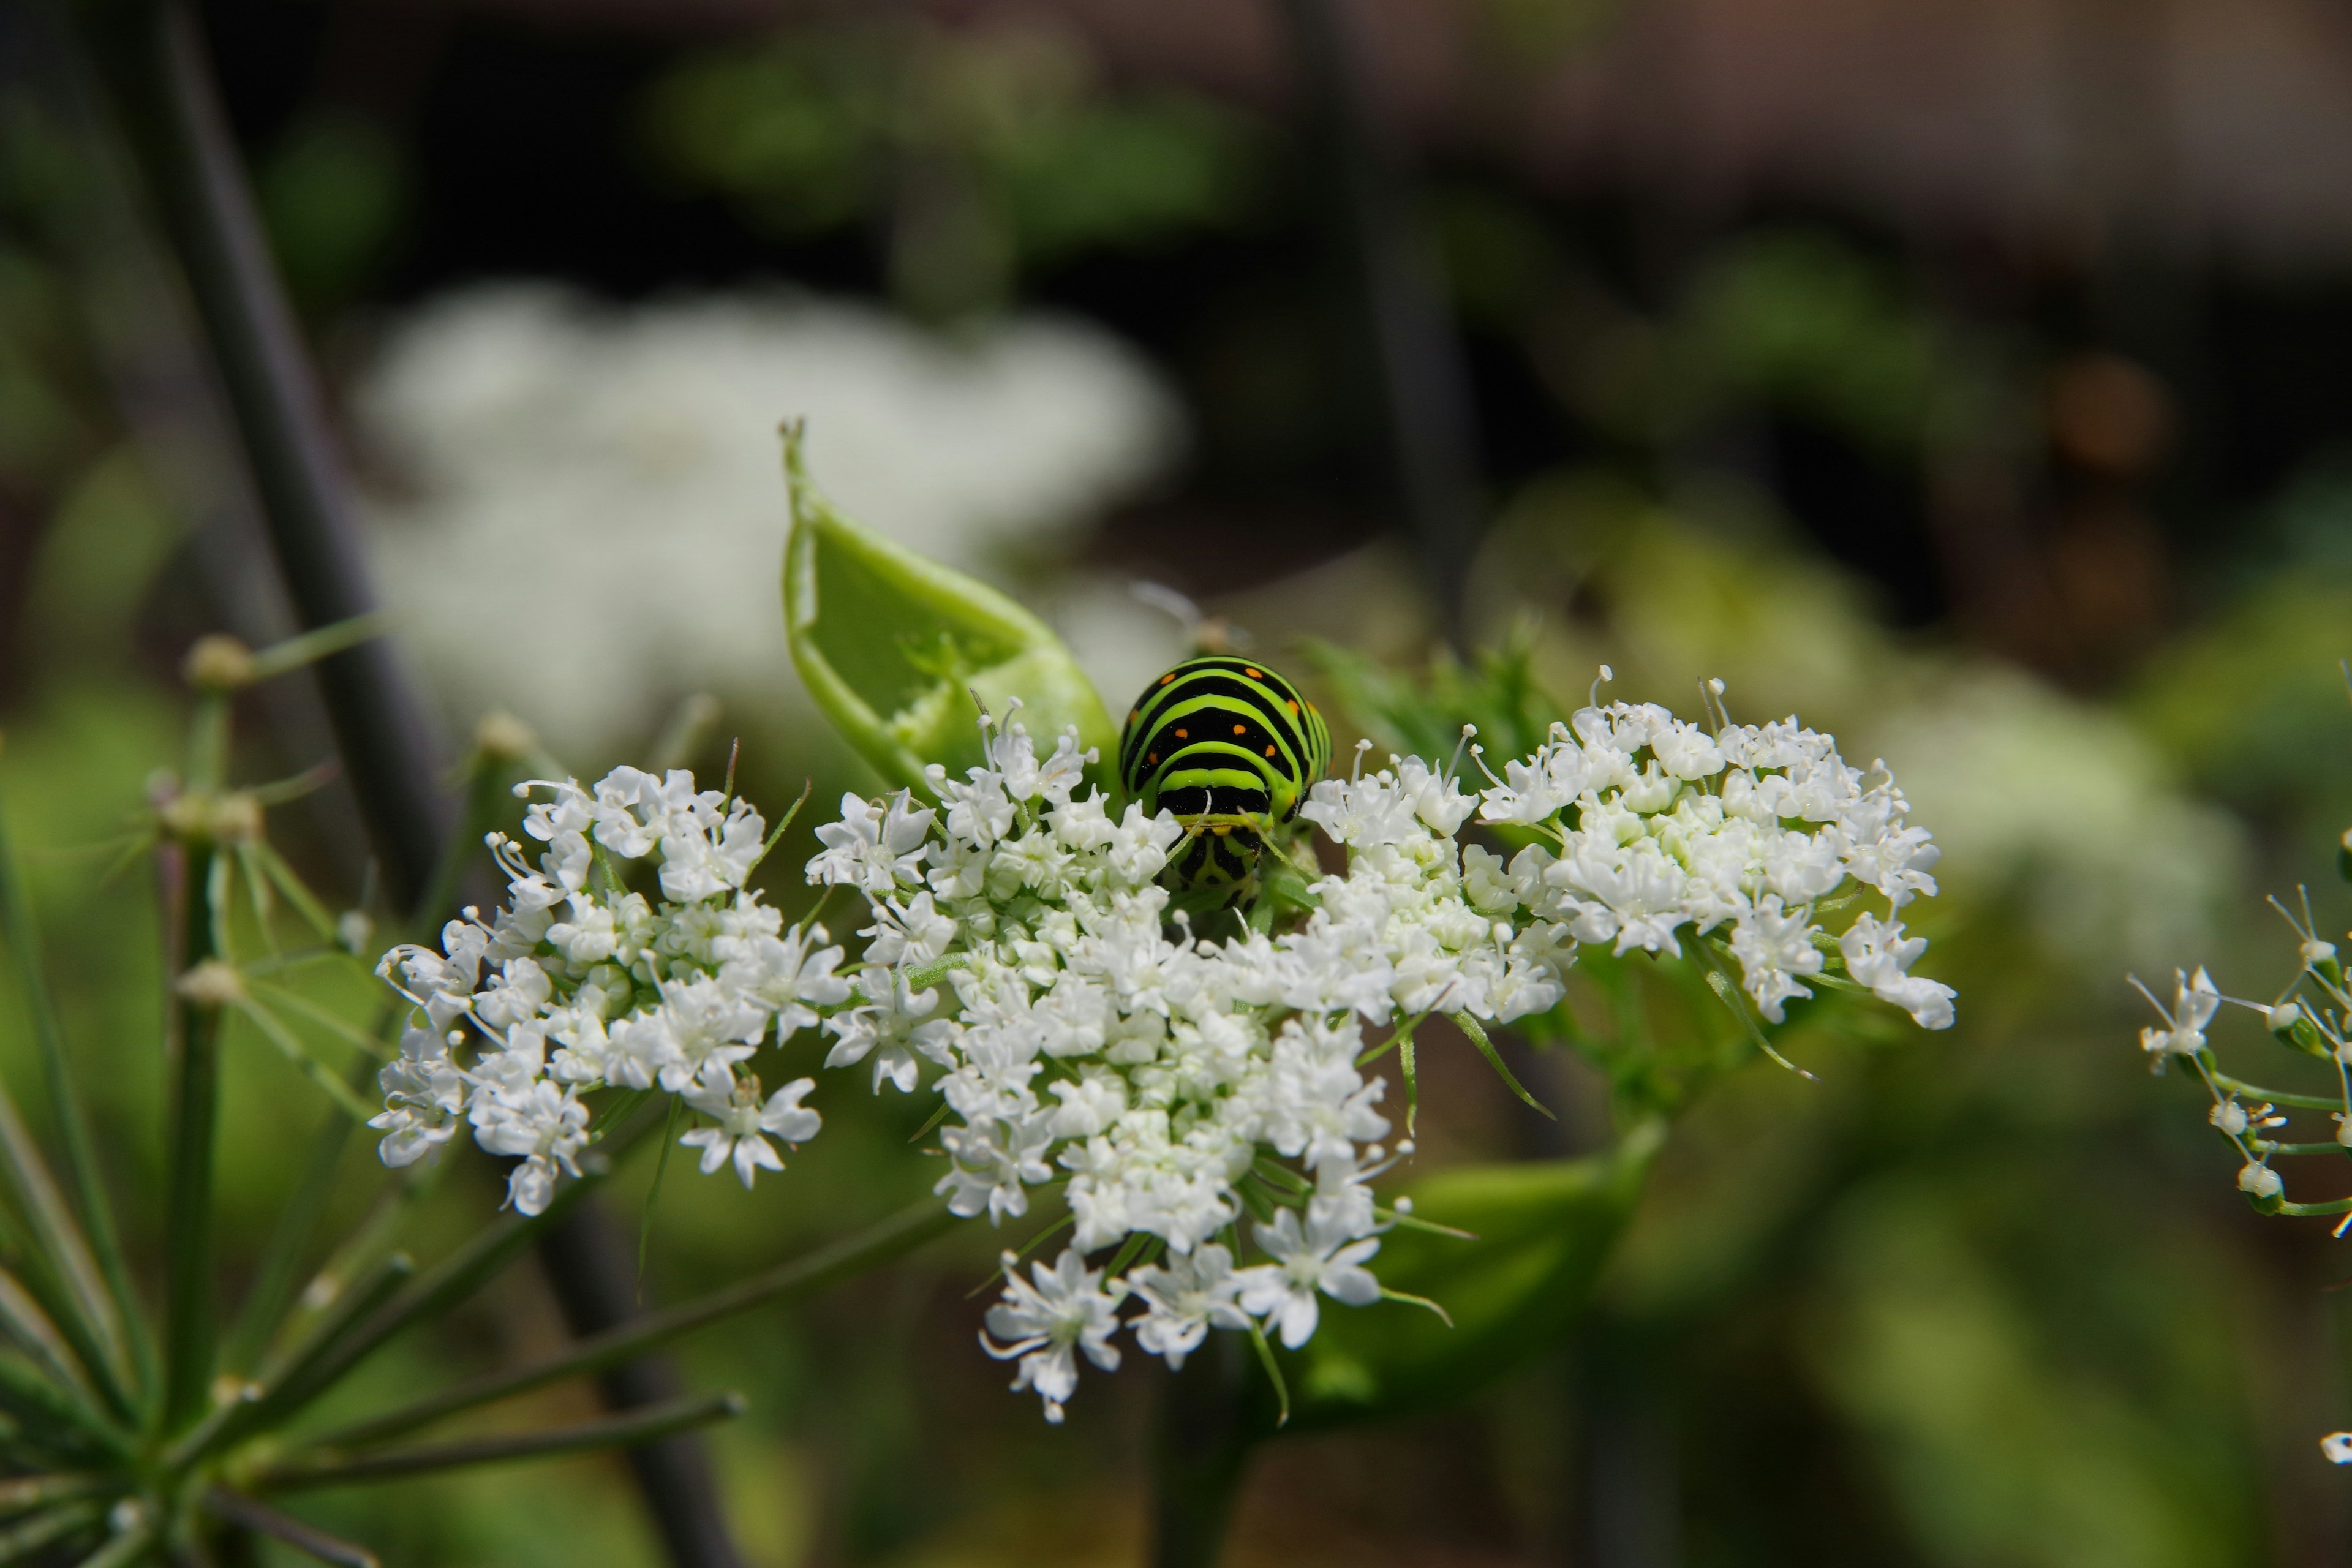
(217, 664)
(2337, 1446)
(2261, 1186)
(2231, 1118)
(502, 737)
(2293, 1027)
(211, 985)
(205, 816)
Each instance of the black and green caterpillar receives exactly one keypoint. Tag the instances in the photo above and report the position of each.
(1229, 747)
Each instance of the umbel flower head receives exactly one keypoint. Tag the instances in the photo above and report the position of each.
(1199, 1106)
(1084, 1036)
(577, 983)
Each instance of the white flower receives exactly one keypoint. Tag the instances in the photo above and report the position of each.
(741, 1122)
(2260, 1181)
(423, 1094)
(2194, 1002)
(2337, 1446)
(875, 847)
(891, 1023)
(1185, 1298)
(1773, 948)
(627, 993)
(1046, 1320)
(791, 976)
(1878, 954)
(1321, 1259)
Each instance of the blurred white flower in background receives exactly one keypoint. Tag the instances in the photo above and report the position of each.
(584, 515)
(2114, 865)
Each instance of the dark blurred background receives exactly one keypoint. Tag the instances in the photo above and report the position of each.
(1975, 380)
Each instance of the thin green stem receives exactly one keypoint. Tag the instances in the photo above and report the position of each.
(38, 1333)
(2255, 1091)
(195, 1106)
(311, 1067)
(120, 1550)
(317, 1544)
(295, 1379)
(23, 1493)
(803, 1277)
(638, 1426)
(1470, 1026)
(282, 1259)
(310, 647)
(53, 1416)
(96, 1211)
(22, 1540)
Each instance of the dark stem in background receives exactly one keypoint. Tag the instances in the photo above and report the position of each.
(165, 92)
(1403, 329)
(154, 57)
(1199, 1452)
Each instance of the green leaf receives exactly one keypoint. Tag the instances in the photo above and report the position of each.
(1543, 1229)
(894, 647)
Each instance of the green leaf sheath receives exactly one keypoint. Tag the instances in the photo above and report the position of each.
(894, 647)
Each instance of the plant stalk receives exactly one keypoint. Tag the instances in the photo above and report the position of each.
(162, 86)
(96, 1212)
(1199, 1452)
(636, 1428)
(843, 1259)
(195, 1113)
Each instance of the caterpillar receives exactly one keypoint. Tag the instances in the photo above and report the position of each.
(1230, 749)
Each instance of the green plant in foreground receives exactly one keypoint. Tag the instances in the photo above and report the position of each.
(139, 1426)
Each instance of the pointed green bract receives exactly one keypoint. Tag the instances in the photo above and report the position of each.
(894, 647)
(1543, 1230)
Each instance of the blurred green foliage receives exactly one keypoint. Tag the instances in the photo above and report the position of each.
(976, 155)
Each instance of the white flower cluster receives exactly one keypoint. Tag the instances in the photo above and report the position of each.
(2312, 1017)
(1654, 824)
(1082, 1036)
(518, 414)
(579, 982)
(1092, 1040)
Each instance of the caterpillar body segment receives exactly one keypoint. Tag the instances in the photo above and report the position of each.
(1229, 747)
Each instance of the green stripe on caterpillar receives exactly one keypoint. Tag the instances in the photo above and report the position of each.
(1229, 747)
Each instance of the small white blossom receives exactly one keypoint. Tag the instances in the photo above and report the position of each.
(1186, 1298)
(742, 1124)
(1318, 1260)
(1047, 1321)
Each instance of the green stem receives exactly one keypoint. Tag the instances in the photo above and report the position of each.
(121, 1551)
(295, 1378)
(639, 1426)
(22, 937)
(464, 1271)
(196, 1108)
(1199, 1454)
(26, 1493)
(20, 1541)
(2255, 1091)
(281, 1260)
(1469, 1026)
(251, 1514)
(844, 1259)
